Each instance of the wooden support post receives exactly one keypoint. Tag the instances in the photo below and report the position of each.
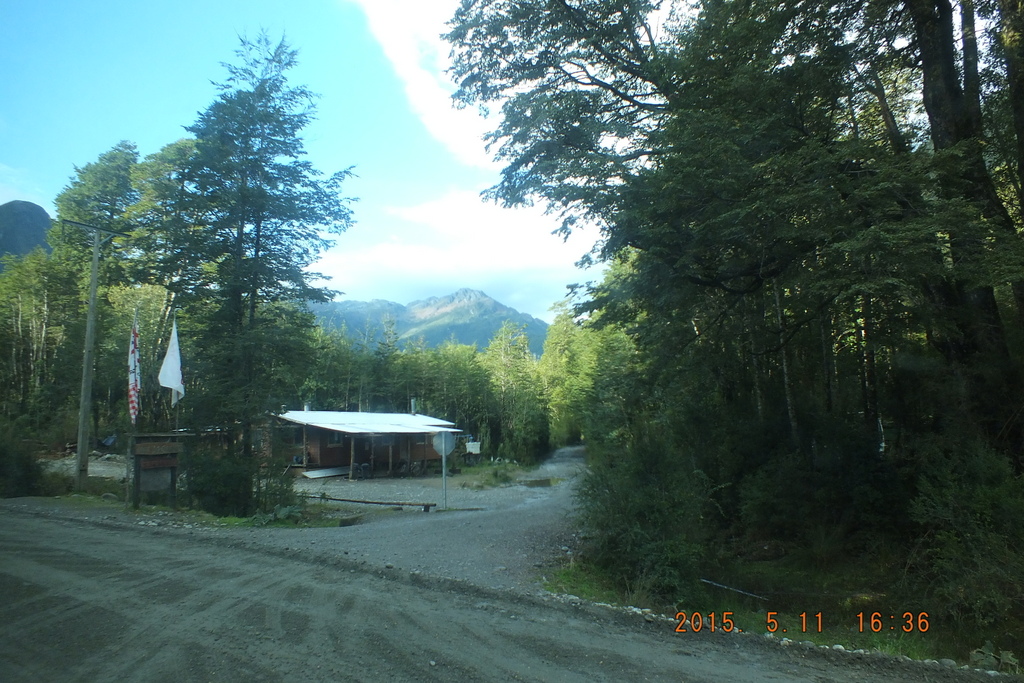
(352, 458)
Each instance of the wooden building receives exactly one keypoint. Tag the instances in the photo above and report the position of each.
(366, 444)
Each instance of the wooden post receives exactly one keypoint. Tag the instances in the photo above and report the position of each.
(305, 448)
(391, 453)
(352, 457)
(85, 400)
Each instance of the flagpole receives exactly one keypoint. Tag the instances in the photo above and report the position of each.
(170, 371)
(134, 401)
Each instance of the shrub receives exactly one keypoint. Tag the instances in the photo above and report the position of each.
(20, 473)
(644, 515)
(223, 481)
(970, 557)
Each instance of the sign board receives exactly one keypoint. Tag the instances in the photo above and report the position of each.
(473, 447)
(158, 448)
(444, 442)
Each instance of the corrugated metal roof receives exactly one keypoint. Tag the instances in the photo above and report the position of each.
(369, 423)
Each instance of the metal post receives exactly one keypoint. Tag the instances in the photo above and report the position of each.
(85, 404)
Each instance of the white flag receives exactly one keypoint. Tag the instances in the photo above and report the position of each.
(170, 371)
(133, 370)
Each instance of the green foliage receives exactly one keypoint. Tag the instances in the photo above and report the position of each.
(566, 370)
(815, 261)
(41, 328)
(226, 481)
(222, 229)
(20, 473)
(219, 480)
(989, 657)
(280, 513)
(520, 426)
(970, 554)
(645, 511)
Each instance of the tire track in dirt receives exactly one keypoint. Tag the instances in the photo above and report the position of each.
(86, 602)
(92, 596)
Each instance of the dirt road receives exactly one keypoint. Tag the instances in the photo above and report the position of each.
(90, 595)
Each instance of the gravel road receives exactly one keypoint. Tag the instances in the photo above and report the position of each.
(95, 593)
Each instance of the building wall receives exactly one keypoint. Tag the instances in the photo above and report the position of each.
(333, 449)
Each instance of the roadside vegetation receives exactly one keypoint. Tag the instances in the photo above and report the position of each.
(802, 373)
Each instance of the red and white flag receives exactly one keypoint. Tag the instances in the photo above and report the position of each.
(133, 370)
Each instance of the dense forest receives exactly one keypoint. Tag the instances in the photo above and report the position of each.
(808, 346)
(807, 349)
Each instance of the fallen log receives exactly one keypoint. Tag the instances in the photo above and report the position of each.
(426, 506)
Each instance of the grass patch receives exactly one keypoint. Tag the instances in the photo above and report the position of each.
(854, 600)
(489, 475)
(860, 603)
(584, 581)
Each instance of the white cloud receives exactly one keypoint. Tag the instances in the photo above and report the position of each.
(403, 253)
(409, 32)
(455, 241)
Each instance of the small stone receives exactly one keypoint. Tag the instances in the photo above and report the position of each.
(433, 663)
(839, 648)
(948, 663)
(806, 643)
(389, 565)
(649, 618)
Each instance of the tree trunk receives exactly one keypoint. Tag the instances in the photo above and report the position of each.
(794, 431)
(1011, 36)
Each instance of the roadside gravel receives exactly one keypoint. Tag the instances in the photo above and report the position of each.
(505, 537)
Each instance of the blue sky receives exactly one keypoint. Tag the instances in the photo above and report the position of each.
(80, 77)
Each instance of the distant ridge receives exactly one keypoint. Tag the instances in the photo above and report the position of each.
(468, 315)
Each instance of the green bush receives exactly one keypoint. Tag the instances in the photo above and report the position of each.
(20, 473)
(645, 516)
(219, 481)
(225, 482)
(969, 558)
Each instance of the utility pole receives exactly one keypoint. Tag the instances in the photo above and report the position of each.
(85, 400)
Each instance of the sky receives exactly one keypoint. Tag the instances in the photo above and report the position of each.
(80, 77)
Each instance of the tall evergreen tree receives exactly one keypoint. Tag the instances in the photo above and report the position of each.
(253, 211)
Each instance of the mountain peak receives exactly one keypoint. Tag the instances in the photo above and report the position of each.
(468, 315)
(23, 227)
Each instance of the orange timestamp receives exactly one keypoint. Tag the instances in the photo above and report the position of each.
(876, 622)
(908, 622)
(695, 622)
